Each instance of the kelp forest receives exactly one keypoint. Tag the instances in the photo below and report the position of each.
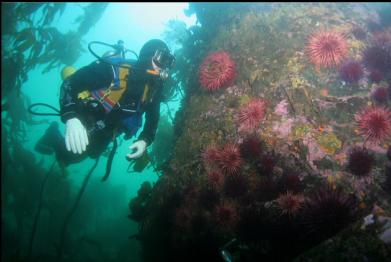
(280, 149)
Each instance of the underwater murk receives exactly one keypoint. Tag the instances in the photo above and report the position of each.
(279, 151)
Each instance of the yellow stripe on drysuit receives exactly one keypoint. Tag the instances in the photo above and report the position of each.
(115, 95)
(145, 94)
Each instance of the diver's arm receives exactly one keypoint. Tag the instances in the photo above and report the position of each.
(91, 77)
(68, 107)
(152, 115)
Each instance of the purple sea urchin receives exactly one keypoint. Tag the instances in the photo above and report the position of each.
(290, 182)
(380, 94)
(251, 148)
(376, 76)
(359, 32)
(236, 185)
(360, 161)
(378, 57)
(327, 212)
(266, 164)
(351, 72)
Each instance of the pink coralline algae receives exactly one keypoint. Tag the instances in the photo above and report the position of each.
(374, 123)
(283, 128)
(281, 108)
(217, 70)
(251, 115)
(314, 152)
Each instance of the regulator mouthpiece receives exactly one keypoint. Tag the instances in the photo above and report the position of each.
(163, 74)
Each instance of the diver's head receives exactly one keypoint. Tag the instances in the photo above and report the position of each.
(155, 54)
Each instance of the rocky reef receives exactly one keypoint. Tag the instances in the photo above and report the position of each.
(266, 159)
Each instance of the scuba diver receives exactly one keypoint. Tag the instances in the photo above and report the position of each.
(107, 98)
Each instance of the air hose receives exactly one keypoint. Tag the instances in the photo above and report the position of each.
(43, 114)
(119, 50)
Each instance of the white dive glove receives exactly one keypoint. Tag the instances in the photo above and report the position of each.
(76, 138)
(140, 147)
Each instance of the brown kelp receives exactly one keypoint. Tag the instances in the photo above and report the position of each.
(67, 220)
(29, 42)
(36, 218)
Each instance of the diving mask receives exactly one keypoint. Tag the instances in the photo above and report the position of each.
(163, 59)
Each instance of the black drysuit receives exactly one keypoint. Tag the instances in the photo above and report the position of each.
(121, 119)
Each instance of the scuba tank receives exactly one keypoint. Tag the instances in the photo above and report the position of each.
(67, 72)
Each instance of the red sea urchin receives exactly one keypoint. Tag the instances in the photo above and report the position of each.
(217, 70)
(374, 123)
(215, 179)
(327, 48)
(229, 160)
(210, 156)
(226, 215)
(289, 204)
(251, 115)
(351, 72)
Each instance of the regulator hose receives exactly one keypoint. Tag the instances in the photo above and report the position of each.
(121, 50)
(110, 160)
